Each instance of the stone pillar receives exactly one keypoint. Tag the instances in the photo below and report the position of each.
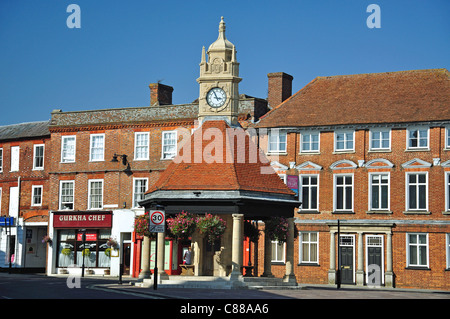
(145, 262)
(332, 270)
(290, 276)
(237, 246)
(389, 274)
(360, 269)
(161, 260)
(267, 255)
(197, 253)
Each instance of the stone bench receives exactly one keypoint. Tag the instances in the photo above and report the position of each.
(187, 270)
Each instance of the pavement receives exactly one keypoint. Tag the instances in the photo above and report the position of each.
(299, 292)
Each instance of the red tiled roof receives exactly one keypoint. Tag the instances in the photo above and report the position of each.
(231, 170)
(392, 97)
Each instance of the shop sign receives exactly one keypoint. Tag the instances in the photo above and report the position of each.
(82, 220)
(89, 236)
(292, 183)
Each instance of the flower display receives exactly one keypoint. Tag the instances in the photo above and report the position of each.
(112, 243)
(212, 226)
(277, 228)
(182, 226)
(141, 225)
(47, 239)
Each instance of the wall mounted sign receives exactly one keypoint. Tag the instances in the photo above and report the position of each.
(82, 220)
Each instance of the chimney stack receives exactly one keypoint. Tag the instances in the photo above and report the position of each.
(280, 88)
(160, 94)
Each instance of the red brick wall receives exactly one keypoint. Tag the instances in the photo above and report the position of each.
(117, 141)
(436, 277)
(28, 176)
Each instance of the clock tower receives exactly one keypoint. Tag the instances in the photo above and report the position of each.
(219, 81)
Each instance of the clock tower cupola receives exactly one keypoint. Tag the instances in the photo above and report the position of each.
(219, 81)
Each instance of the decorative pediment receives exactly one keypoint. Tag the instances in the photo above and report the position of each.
(277, 166)
(446, 164)
(343, 164)
(309, 166)
(416, 163)
(379, 163)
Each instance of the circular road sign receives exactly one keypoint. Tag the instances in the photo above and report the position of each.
(157, 218)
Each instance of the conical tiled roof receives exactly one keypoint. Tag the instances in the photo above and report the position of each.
(220, 158)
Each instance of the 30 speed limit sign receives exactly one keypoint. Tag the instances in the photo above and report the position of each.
(157, 221)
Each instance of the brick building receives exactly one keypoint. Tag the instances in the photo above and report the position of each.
(85, 181)
(372, 151)
(23, 189)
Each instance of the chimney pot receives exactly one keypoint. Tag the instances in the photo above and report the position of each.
(160, 94)
(280, 88)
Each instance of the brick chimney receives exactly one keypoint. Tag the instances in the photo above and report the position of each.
(280, 88)
(160, 94)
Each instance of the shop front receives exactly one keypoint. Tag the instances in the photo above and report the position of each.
(81, 239)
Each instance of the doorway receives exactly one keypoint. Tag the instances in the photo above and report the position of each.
(346, 247)
(374, 260)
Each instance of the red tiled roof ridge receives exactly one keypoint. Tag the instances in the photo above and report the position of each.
(385, 97)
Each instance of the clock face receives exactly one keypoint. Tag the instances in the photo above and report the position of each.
(216, 97)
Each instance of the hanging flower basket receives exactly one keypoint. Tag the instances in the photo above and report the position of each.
(277, 228)
(86, 252)
(112, 243)
(251, 231)
(182, 226)
(141, 226)
(47, 240)
(212, 226)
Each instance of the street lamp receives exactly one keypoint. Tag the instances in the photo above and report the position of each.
(115, 160)
(125, 162)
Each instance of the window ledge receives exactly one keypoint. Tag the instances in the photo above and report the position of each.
(379, 212)
(308, 264)
(309, 153)
(387, 150)
(417, 212)
(344, 152)
(306, 211)
(278, 263)
(418, 268)
(446, 212)
(275, 153)
(421, 149)
(343, 212)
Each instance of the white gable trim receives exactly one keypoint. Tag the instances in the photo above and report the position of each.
(446, 164)
(422, 164)
(336, 164)
(304, 166)
(387, 163)
(277, 166)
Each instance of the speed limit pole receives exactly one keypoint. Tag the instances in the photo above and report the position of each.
(156, 225)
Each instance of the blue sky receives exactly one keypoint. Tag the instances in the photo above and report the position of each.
(123, 46)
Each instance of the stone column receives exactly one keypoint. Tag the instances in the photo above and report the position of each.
(237, 246)
(267, 255)
(145, 262)
(360, 269)
(161, 260)
(332, 270)
(290, 276)
(389, 274)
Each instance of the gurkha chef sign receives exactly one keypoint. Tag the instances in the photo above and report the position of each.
(82, 220)
(157, 221)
